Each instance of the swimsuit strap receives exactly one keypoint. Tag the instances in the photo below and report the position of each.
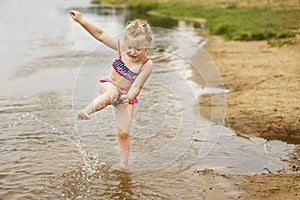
(119, 49)
(145, 61)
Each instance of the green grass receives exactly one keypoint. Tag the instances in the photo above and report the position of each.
(108, 1)
(96, 1)
(241, 23)
(232, 22)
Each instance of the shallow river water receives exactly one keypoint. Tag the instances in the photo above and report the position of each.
(50, 69)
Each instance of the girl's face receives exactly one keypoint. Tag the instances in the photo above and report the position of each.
(136, 50)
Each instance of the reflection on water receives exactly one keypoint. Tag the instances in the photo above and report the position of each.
(105, 184)
(46, 155)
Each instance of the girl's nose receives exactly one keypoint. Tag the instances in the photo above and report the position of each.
(133, 51)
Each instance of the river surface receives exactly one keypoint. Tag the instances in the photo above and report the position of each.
(50, 69)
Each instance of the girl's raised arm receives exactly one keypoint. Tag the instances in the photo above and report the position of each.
(94, 30)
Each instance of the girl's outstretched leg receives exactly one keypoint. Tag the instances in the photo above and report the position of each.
(97, 104)
(124, 119)
(108, 94)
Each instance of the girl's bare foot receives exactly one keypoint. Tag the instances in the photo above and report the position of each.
(123, 168)
(83, 116)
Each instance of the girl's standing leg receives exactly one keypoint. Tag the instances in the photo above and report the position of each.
(124, 119)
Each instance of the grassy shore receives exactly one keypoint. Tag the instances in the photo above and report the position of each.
(231, 19)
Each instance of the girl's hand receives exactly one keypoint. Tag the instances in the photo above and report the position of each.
(125, 100)
(76, 15)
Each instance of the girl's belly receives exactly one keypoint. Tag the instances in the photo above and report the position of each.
(122, 84)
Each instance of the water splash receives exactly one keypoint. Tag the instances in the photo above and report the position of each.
(90, 162)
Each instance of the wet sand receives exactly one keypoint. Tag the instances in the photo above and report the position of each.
(263, 102)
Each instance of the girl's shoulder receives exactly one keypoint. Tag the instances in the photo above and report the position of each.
(147, 65)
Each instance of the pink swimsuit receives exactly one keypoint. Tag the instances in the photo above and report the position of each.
(126, 73)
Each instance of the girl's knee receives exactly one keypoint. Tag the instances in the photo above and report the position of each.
(123, 135)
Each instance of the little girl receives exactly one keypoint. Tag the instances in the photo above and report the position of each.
(130, 71)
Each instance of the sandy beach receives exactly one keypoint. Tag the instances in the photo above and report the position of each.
(265, 87)
(263, 102)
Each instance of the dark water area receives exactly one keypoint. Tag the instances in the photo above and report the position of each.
(50, 69)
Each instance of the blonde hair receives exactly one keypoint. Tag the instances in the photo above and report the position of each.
(139, 30)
